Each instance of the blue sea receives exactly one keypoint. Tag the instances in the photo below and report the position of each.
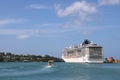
(60, 71)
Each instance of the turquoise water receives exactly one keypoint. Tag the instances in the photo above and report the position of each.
(60, 71)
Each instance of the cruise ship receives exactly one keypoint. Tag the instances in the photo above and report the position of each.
(87, 52)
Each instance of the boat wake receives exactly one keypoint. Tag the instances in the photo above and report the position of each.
(17, 73)
(49, 66)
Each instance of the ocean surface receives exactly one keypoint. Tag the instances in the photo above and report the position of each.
(60, 71)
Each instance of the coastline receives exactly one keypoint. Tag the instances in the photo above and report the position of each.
(10, 57)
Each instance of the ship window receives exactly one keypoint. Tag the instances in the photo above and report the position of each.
(70, 52)
(95, 57)
(95, 51)
(79, 50)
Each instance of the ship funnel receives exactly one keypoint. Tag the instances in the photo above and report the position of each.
(86, 41)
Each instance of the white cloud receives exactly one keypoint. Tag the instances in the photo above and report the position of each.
(109, 2)
(51, 24)
(22, 33)
(86, 32)
(10, 21)
(77, 8)
(28, 33)
(80, 11)
(38, 6)
(23, 36)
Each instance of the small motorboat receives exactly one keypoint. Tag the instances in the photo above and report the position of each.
(50, 63)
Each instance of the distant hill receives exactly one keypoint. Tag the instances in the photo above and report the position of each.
(9, 57)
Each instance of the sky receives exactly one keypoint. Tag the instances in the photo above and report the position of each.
(48, 26)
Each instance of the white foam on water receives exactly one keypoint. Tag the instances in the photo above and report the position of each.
(48, 66)
(42, 70)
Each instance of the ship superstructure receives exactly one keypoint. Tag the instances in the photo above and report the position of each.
(87, 52)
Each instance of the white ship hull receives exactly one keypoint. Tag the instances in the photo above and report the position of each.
(81, 60)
